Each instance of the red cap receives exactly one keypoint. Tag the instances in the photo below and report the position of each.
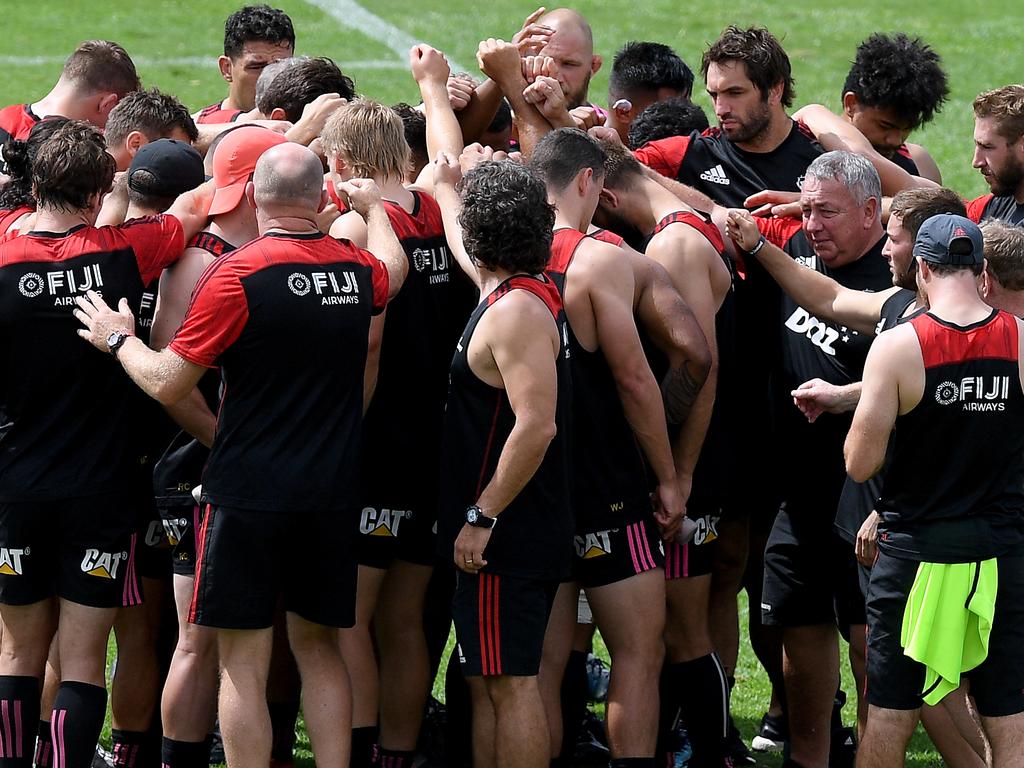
(234, 161)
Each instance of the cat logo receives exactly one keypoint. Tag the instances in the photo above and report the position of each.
(382, 522)
(175, 530)
(707, 529)
(102, 564)
(593, 545)
(10, 560)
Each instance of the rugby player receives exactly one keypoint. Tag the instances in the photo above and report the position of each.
(314, 290)
(690, 249)
(644, 74)
(142, 117)
(17, 204)
(999, 154)
(254, 36)
(69, 501)
(955, 515)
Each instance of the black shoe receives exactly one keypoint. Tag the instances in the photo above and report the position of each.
(772, 735)
(592, 743)
(735, 749)
(102, 758)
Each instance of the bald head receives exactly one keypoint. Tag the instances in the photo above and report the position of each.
(288, 176)
(572, 47)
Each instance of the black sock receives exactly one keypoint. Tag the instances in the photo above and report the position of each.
(364, 742)
(394, 758)
(574, 703)
(458, 735)
(631, 762)
(700, 689)
(76, 723)
(282, 722)
(185, 754)
(19, 700)
(44, 745)
(126, 746)
(558, 762)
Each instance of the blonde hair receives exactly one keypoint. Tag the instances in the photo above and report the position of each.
(369, 137)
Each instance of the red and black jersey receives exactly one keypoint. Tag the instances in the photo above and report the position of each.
(215, 113)
(610, 485)
(953, 493)
(286, 318)
(423, 324)
(905, 160)
(711, 163)
(1001, 207)
(67, 408)
(607, 236)
(16, 121)
(533, 537)
(10, 215)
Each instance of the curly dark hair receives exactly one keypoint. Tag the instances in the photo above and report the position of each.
(295, 87)
(153, 113)
(662, 119)
(648, 67)
(506, 218)
(71, 167)
(765, 60)
(901, 74)
(562, 154)
(256, 23)
(19, 157)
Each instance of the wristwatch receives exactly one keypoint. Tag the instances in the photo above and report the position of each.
(116, 339)
(476, 517)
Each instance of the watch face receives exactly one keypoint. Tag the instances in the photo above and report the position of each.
(113, 339)
(472, 515)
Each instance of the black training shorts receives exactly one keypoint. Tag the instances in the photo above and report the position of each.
(895, 681)
(248, 559)
(82, 550)
(181, 526)
(386, 534)
(696, 556)
(500, 623)
(605, 557)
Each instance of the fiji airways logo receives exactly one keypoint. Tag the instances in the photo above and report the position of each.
(433, 260)
(102, 564)
(332, 287)
(62, 284)
(716, 175)
(975, 393)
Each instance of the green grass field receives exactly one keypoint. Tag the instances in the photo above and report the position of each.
(175, 44)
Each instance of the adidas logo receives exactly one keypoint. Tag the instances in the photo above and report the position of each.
(716, 175)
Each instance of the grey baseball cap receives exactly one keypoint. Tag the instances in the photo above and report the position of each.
(950, 239)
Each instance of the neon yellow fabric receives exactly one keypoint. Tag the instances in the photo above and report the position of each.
(947, 621)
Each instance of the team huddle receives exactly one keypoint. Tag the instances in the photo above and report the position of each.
(296, 383)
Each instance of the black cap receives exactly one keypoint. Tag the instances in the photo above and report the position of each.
(950, 239)
(176, 167)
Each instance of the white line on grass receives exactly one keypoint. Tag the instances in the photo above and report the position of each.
(351, 14)
(188, 61)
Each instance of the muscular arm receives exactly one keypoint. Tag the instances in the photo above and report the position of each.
(450, 204)
(608, 280)
(926, 166)
(191, 413)
(480, 112)
(443, 131)
(689, 261)
(880, 401)
(522, 341)
(192, 208)
(833, 132)
(676, 332)
(350, 226)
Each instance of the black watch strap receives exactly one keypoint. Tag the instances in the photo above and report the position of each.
(476, 518)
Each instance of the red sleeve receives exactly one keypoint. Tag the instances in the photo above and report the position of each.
(664, 155)
(976, 208)
(778, 230)
(158, 241)
(381, 282)
(215, 318)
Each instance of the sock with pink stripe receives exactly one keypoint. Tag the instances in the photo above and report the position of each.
(393, 758)
(19, 713)
(76, 722)
(126, 746)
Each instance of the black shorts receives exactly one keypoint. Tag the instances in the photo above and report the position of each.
(249, 559)
(81, 550)
(181, 524)
(895, 681)
(695, 557)
(605, 557)
(387, 534)
(500, 623)
(154, 550)
(810, 575)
